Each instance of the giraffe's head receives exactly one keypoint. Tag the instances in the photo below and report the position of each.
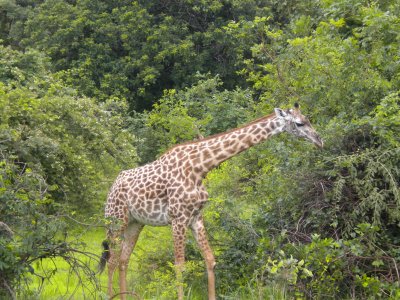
(298, 125)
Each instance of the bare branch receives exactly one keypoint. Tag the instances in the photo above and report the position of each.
(81, 223)
(134, 294)
(6, 230)
(9, 289)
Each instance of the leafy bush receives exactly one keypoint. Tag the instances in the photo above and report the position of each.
(57, 151)
(73, 142)
(32, 229)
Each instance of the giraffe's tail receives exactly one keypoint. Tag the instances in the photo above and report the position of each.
(104, 256)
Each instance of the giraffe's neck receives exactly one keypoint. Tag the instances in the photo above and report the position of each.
(212, 151)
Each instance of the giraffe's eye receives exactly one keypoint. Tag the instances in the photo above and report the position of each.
(299, 124)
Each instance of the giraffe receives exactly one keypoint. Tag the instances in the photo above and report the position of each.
(169, 191)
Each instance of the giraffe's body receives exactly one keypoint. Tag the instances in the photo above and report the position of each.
(147, 206)
(148, 193)
(170, 190)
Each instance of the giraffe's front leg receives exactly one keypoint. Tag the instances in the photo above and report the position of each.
(179, 234)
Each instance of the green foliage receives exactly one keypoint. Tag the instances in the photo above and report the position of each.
(133, 50)
(201, 110)
(72, 141)
(351, 266)
(33, 230)
(23, 69)
(313, 224)
(57, 150)
(136, 50)
(338, 194)
(24, 206)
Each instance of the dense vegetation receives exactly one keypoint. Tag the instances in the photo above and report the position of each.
(92, 87)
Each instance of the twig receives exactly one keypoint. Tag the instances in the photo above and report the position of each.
(322, 186)
(9, 289)
(4, 228)
(397, 270)
(134, 294)
(81, 223)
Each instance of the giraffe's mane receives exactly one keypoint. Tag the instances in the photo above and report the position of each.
(220, 134)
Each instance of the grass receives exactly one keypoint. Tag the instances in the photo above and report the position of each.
(64, 282)
(147, 273)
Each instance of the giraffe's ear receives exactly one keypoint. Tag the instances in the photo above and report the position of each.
(280, 113)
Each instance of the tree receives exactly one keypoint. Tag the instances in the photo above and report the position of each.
(135, 51)
(57, 152)
(71, 141)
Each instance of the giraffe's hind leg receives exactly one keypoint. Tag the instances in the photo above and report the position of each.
(200, 235)
(130, 237)
(113, 258)
(122, 243)
(114, 233)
